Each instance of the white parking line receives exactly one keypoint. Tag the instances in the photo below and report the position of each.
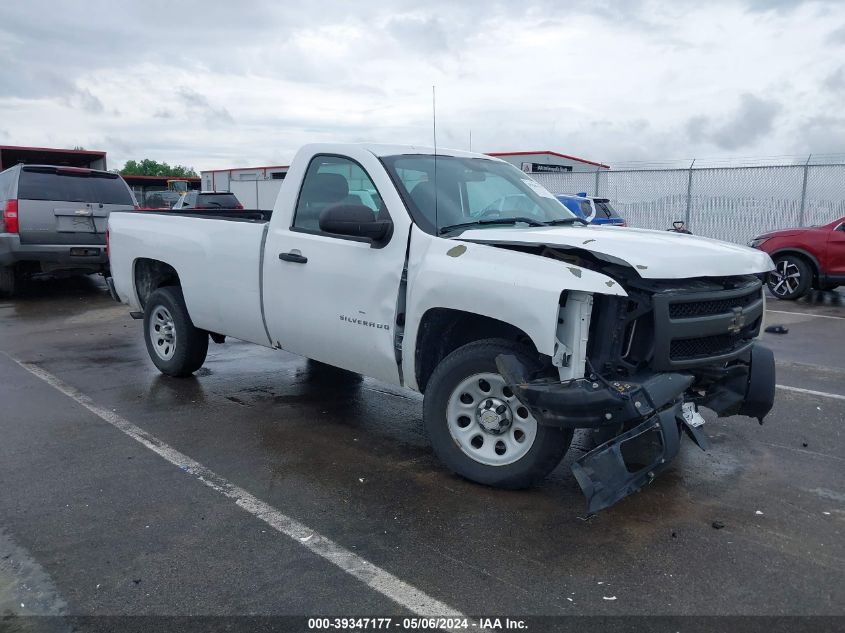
(810, 392)
(818, 316)
(371, 575)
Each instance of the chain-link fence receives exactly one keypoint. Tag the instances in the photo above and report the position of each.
(726, 203)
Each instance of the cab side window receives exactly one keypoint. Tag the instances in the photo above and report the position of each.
(334, 181)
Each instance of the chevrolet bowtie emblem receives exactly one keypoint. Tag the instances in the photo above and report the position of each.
(738, 321)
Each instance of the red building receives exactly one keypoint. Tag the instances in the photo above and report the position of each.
(11, 155)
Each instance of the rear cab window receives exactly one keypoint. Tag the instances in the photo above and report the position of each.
(49, 183)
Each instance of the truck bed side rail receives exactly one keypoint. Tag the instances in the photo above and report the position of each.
(247, 215)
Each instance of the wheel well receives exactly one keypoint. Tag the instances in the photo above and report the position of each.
(443, 330)
(809, 259)
(151, 274)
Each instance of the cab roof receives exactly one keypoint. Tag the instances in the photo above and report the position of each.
(381, 150)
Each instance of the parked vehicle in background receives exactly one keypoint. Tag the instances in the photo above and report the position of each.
(805, 258)
(207, 200)
(518, 323)
(54, 220)
(161, 199)
(594, 210)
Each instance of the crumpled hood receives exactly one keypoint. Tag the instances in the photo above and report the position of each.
(653, 254)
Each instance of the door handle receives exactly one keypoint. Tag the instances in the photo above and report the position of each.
(296, 258)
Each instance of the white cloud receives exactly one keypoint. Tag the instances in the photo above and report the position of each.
(753, 118)
(247, 84)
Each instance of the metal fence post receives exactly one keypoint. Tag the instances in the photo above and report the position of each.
(596, 188)
(689, 194)
(804, 192)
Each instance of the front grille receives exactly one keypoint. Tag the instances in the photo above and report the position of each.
(691, 309)
(692, 348)
(705, 321)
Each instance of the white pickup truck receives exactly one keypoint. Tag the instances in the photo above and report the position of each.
(517, 326)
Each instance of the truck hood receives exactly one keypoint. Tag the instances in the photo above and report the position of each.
(653, 254)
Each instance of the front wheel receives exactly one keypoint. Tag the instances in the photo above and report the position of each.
(174, 344)
(790, 279)
(478, 427)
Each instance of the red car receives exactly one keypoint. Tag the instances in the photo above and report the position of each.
(807, 257)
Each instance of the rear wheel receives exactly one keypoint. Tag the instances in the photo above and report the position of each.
(174, 344)
(478, 427)
(791, 279)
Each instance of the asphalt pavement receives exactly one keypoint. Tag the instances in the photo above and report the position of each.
(268, 485)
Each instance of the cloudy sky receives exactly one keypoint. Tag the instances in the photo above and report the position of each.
(213, 84)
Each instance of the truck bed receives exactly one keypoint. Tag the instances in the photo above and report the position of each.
(217, 255)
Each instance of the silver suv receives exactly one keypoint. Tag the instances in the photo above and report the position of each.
(54, 220)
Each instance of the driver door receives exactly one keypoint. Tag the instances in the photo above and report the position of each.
(329, 297)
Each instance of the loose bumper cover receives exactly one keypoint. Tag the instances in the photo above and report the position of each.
(648, 411)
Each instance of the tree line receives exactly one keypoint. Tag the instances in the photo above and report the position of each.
(149, 167)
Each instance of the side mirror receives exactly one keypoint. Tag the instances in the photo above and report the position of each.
(355, 220)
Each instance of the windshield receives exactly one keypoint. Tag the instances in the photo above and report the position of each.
(469, 190)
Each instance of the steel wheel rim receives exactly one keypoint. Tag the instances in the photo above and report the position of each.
(469, 419)
(786, 278)
(163, 333)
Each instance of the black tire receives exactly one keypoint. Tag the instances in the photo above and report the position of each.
(783, 282)
(549, 446)
(190, 344)
(8, 281)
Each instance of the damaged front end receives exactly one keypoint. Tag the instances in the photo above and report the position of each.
(667, 348)
(650, 410)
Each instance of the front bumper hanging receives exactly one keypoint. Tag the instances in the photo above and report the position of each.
(651, 410)
(629, 461)
(585, 403)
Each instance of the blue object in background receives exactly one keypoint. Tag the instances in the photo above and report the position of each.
(593, 209)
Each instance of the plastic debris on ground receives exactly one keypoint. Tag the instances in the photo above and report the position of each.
(777, 329)
(691, 415)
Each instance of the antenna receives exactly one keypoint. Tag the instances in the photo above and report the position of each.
(434, 116)
(434, 135)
